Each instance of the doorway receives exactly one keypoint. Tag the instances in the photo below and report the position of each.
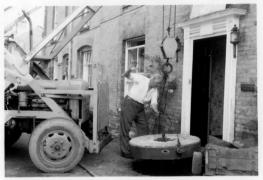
(208, 77)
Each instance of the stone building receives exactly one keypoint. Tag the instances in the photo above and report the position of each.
(216, 92)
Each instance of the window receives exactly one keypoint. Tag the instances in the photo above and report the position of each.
(134, 57)
(84, 66)
(135, 53)
(65, 63)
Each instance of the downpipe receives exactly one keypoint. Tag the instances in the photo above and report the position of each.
(30, 37)
(30, 30)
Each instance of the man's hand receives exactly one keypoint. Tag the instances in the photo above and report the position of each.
(155, 108)
(128, 72)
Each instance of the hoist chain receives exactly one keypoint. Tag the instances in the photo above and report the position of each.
(163, 96)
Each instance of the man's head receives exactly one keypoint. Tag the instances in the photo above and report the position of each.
(154, 65)
(155, 80)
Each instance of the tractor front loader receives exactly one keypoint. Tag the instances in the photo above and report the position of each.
(60, 115)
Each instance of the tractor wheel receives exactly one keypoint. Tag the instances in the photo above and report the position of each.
(11, 136)
(56, 145)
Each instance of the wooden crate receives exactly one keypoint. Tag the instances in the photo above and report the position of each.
(220, 160)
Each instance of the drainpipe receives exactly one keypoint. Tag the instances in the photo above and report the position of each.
(30, 41)
(30, 30)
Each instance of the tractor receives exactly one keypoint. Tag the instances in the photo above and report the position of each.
(62, 116)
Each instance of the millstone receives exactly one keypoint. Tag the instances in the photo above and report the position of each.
(153, 147)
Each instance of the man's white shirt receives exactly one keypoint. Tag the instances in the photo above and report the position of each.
(139, 87)
(152, 95)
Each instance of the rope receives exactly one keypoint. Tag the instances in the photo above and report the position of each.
(169, 23)
(174, 19)
(163, 24)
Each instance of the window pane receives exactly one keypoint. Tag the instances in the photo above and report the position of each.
(84, 59)
(132, 58)
(136, 42)
(65, 67)
(141, 60)
(85, 65)
(80, 66)
(90, 75)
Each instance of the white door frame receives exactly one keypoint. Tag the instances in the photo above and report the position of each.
(211, 25)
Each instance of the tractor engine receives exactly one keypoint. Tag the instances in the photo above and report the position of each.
(23, 98)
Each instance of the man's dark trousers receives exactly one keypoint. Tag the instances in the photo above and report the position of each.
(131, 110)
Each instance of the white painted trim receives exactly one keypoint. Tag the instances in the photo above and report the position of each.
(187, 84)
(126, 67)
(212, 16)
(211, 25)
(230, 85)
(134, 47)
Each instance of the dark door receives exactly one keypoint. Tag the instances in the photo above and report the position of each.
(208, 87)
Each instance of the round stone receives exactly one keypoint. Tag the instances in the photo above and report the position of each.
(173, 146)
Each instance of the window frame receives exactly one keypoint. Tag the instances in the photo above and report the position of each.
(87, 65)
(127, 48)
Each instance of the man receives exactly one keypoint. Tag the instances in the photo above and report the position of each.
(133, 107)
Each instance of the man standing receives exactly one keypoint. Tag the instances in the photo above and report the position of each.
(133, 108)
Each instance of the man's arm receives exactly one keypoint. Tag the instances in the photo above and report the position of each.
(153, 97)
(127, 74)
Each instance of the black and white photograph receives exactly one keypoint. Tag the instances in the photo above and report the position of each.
(130, 89)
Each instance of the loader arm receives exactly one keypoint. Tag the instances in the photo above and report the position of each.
(59, 29)
(22, 66)
(17, 67)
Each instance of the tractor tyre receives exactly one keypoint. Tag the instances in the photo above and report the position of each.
(11, 136)
(56, 145)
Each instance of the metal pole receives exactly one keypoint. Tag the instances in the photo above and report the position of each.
(30, 30)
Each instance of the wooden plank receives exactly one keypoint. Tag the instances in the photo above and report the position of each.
(103, 105)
